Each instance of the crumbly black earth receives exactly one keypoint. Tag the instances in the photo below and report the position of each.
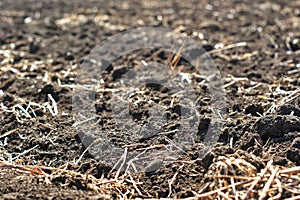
(44, 42)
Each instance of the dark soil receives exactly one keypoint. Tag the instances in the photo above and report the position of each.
(40, 50)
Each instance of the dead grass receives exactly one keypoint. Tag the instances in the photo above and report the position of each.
(49, 174)
(227, 178)
(236, 178)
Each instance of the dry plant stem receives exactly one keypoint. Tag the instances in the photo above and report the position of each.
(290, 170)
(156, 146)
(197, 65)
(134, 145)
(236, 195)
(269, 182)
(263, 184)
(279, 188)
(176, 59)
(207, 194)
(8, 133)
(13, 166)
(290, 97)
(235, 177)
(123, 195)
(95, 184)
(81, 156)
(123, 163)
(25, 152)
(230, 46)
(154, 55)
(173, 179)
(83, 121)
(134, 184)
(220, 193)
(256, 181)
(169, 59)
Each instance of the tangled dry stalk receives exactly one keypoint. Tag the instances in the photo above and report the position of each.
(49, 174)
(236, 178)
(227, 178)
